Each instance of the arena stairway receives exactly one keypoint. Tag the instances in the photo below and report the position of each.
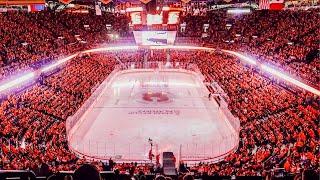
(168, 163)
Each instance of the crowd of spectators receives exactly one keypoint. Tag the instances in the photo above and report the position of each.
(279, 128)
(288, 40)
(44, 36)
(33, 122)
(279, 123)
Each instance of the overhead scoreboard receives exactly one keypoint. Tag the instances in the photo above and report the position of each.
(154, 29)
(154, 38)
(166, 16)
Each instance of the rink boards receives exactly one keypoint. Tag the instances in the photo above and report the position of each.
(168, 106)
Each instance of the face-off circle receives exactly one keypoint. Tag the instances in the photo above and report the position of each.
(155, 97)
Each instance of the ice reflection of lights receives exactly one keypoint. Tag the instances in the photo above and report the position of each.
(155, 83)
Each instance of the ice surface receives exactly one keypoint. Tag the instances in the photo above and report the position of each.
(171, 107)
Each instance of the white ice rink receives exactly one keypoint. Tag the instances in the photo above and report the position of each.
(169, 106)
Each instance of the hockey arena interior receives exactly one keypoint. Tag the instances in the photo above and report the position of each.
(159, 89)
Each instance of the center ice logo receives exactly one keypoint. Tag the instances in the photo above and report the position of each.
(155, 97)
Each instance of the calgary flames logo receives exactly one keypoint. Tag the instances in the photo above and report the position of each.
(155, 97)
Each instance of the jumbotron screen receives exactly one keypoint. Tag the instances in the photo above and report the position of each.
(154, 19)
(154, 38)
(173, 17)
(140, 17)
(136, 18)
